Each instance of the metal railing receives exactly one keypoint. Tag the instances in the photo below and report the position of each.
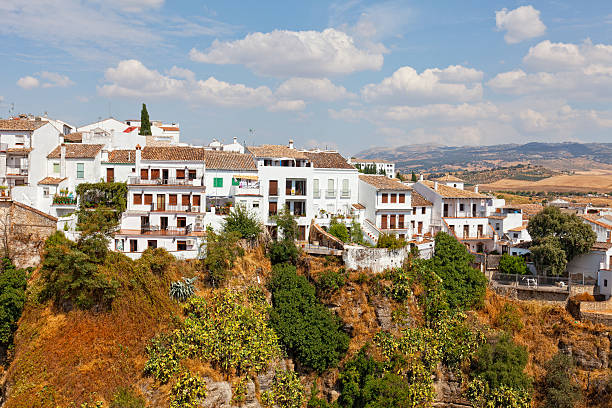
(22, 171)
(345, 193)
(330, 193)
(147, 229)
(175, 208)
(166, 181)
(64, 200)
(532, 280)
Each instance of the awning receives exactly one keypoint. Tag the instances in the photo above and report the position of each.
(246, 176)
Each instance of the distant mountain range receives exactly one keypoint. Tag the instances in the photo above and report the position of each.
(557, 156)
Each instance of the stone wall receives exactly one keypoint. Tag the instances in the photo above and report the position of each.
(376, 259)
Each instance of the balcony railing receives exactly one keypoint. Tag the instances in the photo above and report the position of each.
(330, 193)
(175, 208)
(168, 181)
(173, 231)
(345, 193)
(20, 171)
(64, 200)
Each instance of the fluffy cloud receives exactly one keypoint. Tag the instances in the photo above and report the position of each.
(313, 88)
(134, 5)
(293, 53)
(520, 24)
(291, 105)
(53, 79)
(452, 84)
(131, 78)
(28, 82)
(564, 69)
(443, 112)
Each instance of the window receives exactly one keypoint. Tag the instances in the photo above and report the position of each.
(383, 222)
(400, 223)
(137, 199)
(180, 174)
(385, 198)
(154, 174)
(255, 204)
(345, 187)
(46, 191)
(148, 198)
(402, 198)
(144, 174)
(461, 207)
(80, 170)
(423, 210)
(497, 225)
(605, 283)
(330, 187)
(172, 199)
(218, 182)
(393, 198)
(316, 191)
(273, 187)
(152, 243)
(181, 222)
(272, 208)
(181, 245)
(195, 199)
(133, 245)
(185, 199)
(192, 174)
(56, 168)
(414, 209)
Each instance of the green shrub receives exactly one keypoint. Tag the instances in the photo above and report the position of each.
(356, 232)
(126, 398)
(244, 222)
(390, 241)
(559, 389)
(283, 251)
(481, 396)
(509, 319)
(502, 364)
(221, 253)
(13, 284)
(286, 391)
(463, 285)
(156, 259)
(513, 265)
(188, 391)
(331, 280)
(304, 325)
(391, 390)
(354, 377)
(339, 230)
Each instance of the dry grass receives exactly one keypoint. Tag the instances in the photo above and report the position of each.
(596, 180)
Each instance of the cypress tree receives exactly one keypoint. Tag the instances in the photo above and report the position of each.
(414, 177)
(145, 124)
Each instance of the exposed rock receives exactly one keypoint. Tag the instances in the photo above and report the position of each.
(251, 397)
(448, 390)
(384, 314)
(218, 394)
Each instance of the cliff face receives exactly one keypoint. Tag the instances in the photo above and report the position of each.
(60, 358)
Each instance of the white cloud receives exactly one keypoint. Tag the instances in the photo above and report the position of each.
(313, 88)
(406, 85)
(293, 53)
(549, 56)
(291, 105)
(443, 112)
(131, 78)
(134, 5)
(520, 24)
(28, 82)
(53, 79)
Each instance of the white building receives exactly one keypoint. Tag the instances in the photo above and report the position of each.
(393, 208)
(601, 225)
(451, 181)
(382, 166)
(235, 146)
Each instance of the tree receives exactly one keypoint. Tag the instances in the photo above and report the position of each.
(356, 232)
(548, 256)
(464, 286)
(286, 223)
(559, 390)
(339, 230)
(145, 124)
(221, 252)
(399, 176)
(284, 250)
(390, 241)
(244, 222)
(413, 178)
(513, 265)
(13, 283)
(574, 236)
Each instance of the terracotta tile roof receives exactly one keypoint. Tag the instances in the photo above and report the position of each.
(121, 156)
(383, 182)
(77, 151)
(169, 128)
(130, 129)
(598, 246)
(276, 151)
(216, 160)
(172, 153)
(21, 124)
(355, 160)
(52, 181)
(596, 221)
(449, 177)
(75, 137)
(419, 201)
(452, 192)
(19, 150)
(327, 160)
(358, 206)
(518, 229)
(34, 210)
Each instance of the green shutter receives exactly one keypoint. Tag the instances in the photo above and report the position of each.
(218, 182)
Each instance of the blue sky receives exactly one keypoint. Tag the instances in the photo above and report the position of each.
(348, 75)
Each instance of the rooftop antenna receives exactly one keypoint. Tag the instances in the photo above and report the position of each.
(252, 133)
(12, 109)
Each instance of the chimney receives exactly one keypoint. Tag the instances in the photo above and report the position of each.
(137, 157)
(61, 139)
(291, 144)
(235, 140)
(62, 160)
(476, 188)
(436, 185)
(421, 178)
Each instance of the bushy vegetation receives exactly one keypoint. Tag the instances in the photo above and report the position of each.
(156, 259)
(390, 241)
(558, 238)
(222, 250)
(125, 398)
(244, 222)
(513, 265)
(306, 328)
(13, 284)
(227, 330)
(188, 391)
(559, 388)
(283, 250)
(70, 272)
(331, 280)
(286, 391)
(356, 232)
(339, 230)
(464, 286)
(182, 290)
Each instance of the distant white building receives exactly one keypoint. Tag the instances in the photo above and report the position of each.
(382, 166)
(235, 146)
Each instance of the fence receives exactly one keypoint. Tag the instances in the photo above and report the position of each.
(531, 280)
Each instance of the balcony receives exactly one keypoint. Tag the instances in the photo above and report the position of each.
(345, 193)
(169, 181)
(16, 171)
(147, 229)
(330, 193)
(246, 189)
(156, 207)
(64, 201)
